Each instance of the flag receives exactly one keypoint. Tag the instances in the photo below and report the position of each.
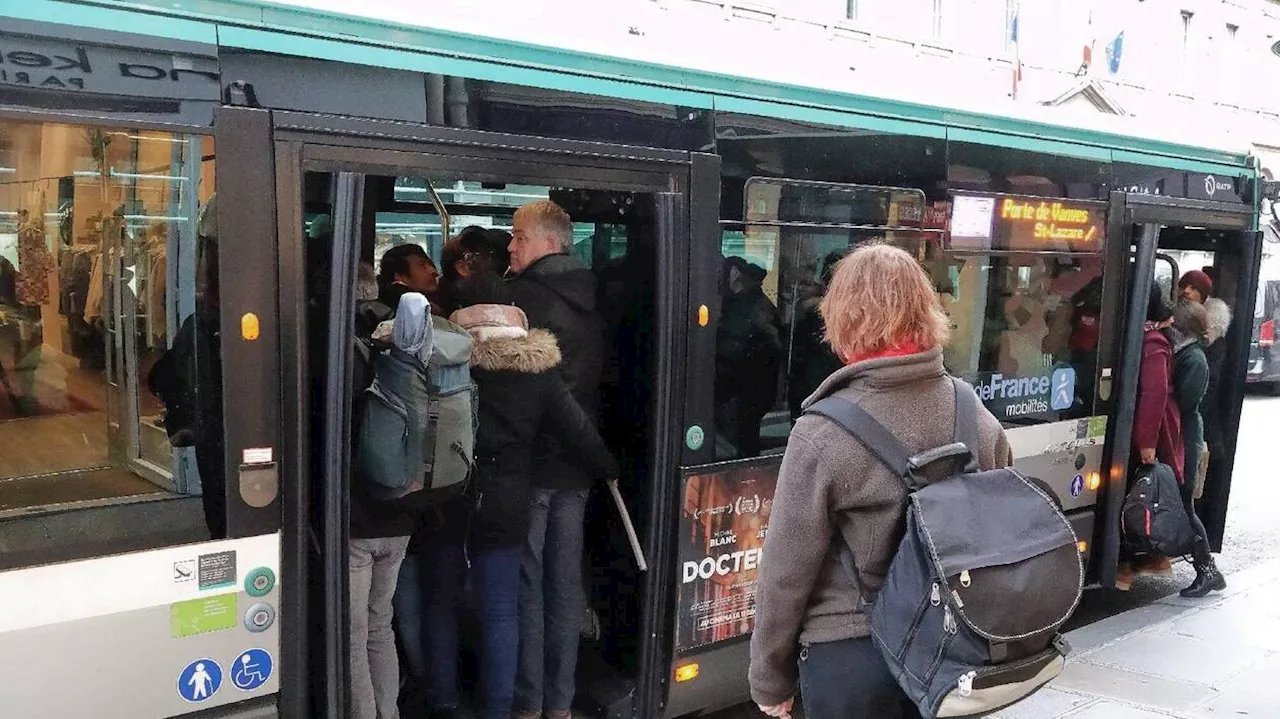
(1017, 49)
(1086, 60)
(1114, 50)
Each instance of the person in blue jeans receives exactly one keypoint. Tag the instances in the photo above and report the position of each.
(520, 393)
(558, 292)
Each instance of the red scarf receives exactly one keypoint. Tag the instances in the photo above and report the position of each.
(895, 350)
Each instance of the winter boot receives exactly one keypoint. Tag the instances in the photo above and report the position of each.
(1208, 578)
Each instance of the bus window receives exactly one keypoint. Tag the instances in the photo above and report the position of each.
(1025, 332)
(110, 397)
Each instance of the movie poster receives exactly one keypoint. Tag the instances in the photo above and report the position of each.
(722, 530)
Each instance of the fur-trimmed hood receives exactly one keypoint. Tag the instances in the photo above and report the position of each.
(537, 352)
(1219, 318)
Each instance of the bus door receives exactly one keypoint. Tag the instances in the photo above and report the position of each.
(1162, 238)
(345, 197)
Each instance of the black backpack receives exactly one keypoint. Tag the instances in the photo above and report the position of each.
(986, 573)
(1153, 517)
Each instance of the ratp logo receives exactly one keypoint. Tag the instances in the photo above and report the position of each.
(1064, 388)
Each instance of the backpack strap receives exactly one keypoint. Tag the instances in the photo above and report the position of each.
(855, 420)
(966, 422)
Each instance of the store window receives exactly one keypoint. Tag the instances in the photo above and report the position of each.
(109, 382)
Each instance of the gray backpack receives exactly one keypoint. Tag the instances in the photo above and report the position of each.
(416, 440)
(986, 573)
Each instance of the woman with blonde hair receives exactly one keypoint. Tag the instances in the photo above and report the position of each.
(883, 320)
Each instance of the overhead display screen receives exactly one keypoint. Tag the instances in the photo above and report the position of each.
(1026, 224)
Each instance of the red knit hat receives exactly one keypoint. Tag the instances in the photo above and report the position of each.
(1199, 280)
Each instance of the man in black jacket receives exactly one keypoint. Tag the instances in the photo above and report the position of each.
(557, 293)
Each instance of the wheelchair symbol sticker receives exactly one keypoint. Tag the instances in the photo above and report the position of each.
(200, 680)
(251, 669)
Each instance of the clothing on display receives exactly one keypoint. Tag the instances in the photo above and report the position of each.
(35, 262)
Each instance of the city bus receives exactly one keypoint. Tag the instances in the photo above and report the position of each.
(188, 192)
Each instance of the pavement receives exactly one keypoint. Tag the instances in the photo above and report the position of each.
(1186, 658)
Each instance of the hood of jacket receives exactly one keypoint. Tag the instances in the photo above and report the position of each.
(1219, 318)
(536, 352)
(1180, 340)
(567, 277)
(882, 373)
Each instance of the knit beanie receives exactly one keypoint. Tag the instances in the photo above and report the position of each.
(1199, 280)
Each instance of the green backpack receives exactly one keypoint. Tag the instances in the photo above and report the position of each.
(416, 440)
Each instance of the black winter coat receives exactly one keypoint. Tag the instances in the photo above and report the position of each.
(521, 393)
(558, 293)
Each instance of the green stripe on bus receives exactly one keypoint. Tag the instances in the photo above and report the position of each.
(417, 61)
(829, 116)
(110, 18)
(1032, 144)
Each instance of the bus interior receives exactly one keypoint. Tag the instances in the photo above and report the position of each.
(614, 236)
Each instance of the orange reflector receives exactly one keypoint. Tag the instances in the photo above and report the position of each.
(704, 316)
(1082, 546)
(249, 328)
(687, 672)
(1095, 481)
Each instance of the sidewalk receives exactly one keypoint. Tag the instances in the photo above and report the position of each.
(1184, 658)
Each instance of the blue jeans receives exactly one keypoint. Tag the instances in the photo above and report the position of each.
(496, 577)
(551, 601)
(408, 602)
(849, 678)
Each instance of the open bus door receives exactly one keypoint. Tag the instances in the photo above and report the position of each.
(347, 190)
(1153, 230)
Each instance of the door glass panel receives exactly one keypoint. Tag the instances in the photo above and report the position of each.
(102, 273)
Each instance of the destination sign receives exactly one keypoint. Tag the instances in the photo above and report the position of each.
(1026, 224)
(787, 201)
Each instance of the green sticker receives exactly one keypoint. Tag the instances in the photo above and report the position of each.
(260, 582)
(694, 437)
(206, 614)
(1097, 427)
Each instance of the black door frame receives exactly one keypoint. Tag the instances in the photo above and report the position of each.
(304, 143)
(1122, 351)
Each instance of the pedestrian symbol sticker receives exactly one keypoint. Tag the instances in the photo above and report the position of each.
(1077, 485)
(251, 669)
(200, 680)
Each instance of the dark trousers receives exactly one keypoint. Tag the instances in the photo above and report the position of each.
(1200, 550)
(848, 679)
(495, 574)
(551, 601)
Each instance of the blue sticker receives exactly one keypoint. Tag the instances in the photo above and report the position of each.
(1077, 485)
(200, 680)
(251, 669)
(1064, 388)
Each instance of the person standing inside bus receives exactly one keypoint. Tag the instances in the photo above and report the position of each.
(1190, 379)
(1157, 421)
(885, 323)
(520, 395)
(1197, 286)
(379, 537)
(558, 293)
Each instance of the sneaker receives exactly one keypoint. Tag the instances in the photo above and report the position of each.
(1124, 576)
(558, 715)
(526, 715)
(1154, 566)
